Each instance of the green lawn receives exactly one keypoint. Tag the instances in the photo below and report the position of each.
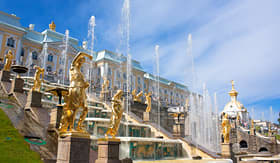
(13, 147)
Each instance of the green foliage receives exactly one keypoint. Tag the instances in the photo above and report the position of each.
(277, 137)
(13, 148)
(258, 128)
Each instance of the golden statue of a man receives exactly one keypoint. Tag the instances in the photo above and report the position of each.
(148, 101)
(76, 96)
(137, 97)
(226, 128)
(9, 58)
(117, 111)
(37, 80)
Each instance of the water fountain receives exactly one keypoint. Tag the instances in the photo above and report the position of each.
(125, 37)
(44, 56)
(29, 63)
(91, 37)
(157, 95)
(64, 56)
(203, 115)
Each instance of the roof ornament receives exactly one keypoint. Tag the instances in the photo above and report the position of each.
(52, 26)
(232, 84)
(233, 92)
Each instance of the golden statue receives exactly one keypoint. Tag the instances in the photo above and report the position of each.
(187, 104)
(137, 97)
(148, 101)
(226, 128)
(252, 128)
(117, 111)
(37, 80)
(105, 87)
(133, 93)
(76, 96)
(9, 57)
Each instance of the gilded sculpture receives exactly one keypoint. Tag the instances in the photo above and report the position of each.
(117, 111)
(9, 58)
(137, 97)
(226, 128)
(133, 93)
(105, 87)
(76, 97)
(37, 80)
(148, 101)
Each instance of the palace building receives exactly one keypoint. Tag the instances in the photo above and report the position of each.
(46, 49)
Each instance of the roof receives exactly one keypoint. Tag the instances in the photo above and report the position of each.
(165, 81)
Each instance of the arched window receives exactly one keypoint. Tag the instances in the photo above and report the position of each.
(50, 57)
(263, 149)
(49, 69)
(243, 144)
(11, 42)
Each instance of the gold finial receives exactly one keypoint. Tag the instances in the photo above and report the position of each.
(233, 92)
(232, 84)
(52, 26)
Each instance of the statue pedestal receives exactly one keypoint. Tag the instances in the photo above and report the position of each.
(17, 85)
(108, 151)
(34, 99)
(5, 76)
(146, 116)
(225, 150)
(56, 114)
(72, 149)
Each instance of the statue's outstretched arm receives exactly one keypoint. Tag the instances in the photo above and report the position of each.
(79, 56)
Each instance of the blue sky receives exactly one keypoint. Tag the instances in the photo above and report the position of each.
(234, 39)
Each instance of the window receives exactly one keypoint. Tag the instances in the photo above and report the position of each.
(139, 80)
(11, 42)
(49, 69)
(109, 72)
(138, 89)
(118, 74)
(243, 144)
(61, 60)
(124, 75)
(50, 57)
(22, 52)
(34, 55)
(60, 71)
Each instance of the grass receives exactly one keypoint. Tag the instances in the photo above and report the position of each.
(13, 147)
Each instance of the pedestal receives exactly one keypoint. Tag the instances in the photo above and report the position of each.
(108, 151)
(226, 150)
(17, 85)
(5, 76)
(56, 114)
(34, 99)
(73, 149)
(146, 116)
